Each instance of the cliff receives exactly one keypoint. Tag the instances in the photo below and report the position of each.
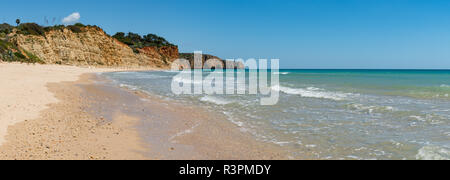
(90, 46)
(82, 45)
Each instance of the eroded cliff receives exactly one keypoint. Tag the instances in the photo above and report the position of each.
(91, 46)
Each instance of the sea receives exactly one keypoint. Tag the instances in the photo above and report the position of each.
(331, 114)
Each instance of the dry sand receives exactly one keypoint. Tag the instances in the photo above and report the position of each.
(23, 91)
(43, 116)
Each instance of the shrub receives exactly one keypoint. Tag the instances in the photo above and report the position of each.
(53, 28)
(10, 53)
(19, 55)
(135, 41)
(31, 29)
(75, 29)
(79, 25)
(33, 59)
(121, 37)
(5, 28)
(5, 46)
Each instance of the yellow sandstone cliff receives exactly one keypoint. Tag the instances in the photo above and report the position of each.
(91, 47)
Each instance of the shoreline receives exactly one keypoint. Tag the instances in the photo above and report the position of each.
(89, 118)
(176, 131)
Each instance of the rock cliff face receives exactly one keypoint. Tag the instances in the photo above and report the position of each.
(91, 46)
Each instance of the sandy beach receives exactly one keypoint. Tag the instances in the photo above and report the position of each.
(42, 117)
(64, 112)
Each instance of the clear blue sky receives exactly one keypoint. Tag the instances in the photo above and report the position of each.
(302, 33)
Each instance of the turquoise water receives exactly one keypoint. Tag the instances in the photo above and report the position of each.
(334, 114)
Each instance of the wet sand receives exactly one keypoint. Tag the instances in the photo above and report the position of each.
(92, 119)
(177, 131)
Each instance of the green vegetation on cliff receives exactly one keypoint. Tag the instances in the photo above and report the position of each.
(11, 53)
(136, 41)
(5, 29)
(37, 30)
(76, 28)
(30, 29)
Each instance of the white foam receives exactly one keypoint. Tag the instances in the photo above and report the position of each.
(237, 123)
(445, 86)
(433, 153)
(125, 72)
(148, 76)
(182, 133)
(353, 157)
(215, 100)
(313, 89)
(447, 134)
(280, 143)
(172, 71)
(312, 92)
(186, 81)
(282, 73)
(128, 87)
(419, 118)
(179, 72)
(371, 109)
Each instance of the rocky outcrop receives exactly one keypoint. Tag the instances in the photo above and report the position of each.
(206, 63)
(91, 46)
(166, 54)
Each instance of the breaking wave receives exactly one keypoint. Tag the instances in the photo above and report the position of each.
(186, 81)
(312, 92)
(370, 109)
(215, 100)
(433, 153)
(282, 73)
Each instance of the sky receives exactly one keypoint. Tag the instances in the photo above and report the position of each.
(305, 34)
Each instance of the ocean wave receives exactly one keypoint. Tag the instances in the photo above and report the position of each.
(186, 81)
(171, 71)
(280, 143)
(215, 100)
(282, 73)
(314, 89)
(125, 72)
(430, 118)
(370, 109)
(178, 72)
(237, 123)
(419, 118)
(149, 76)
(445, 86)
(131, 87)
(312, 92)
(182, 133)
(433, 153)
